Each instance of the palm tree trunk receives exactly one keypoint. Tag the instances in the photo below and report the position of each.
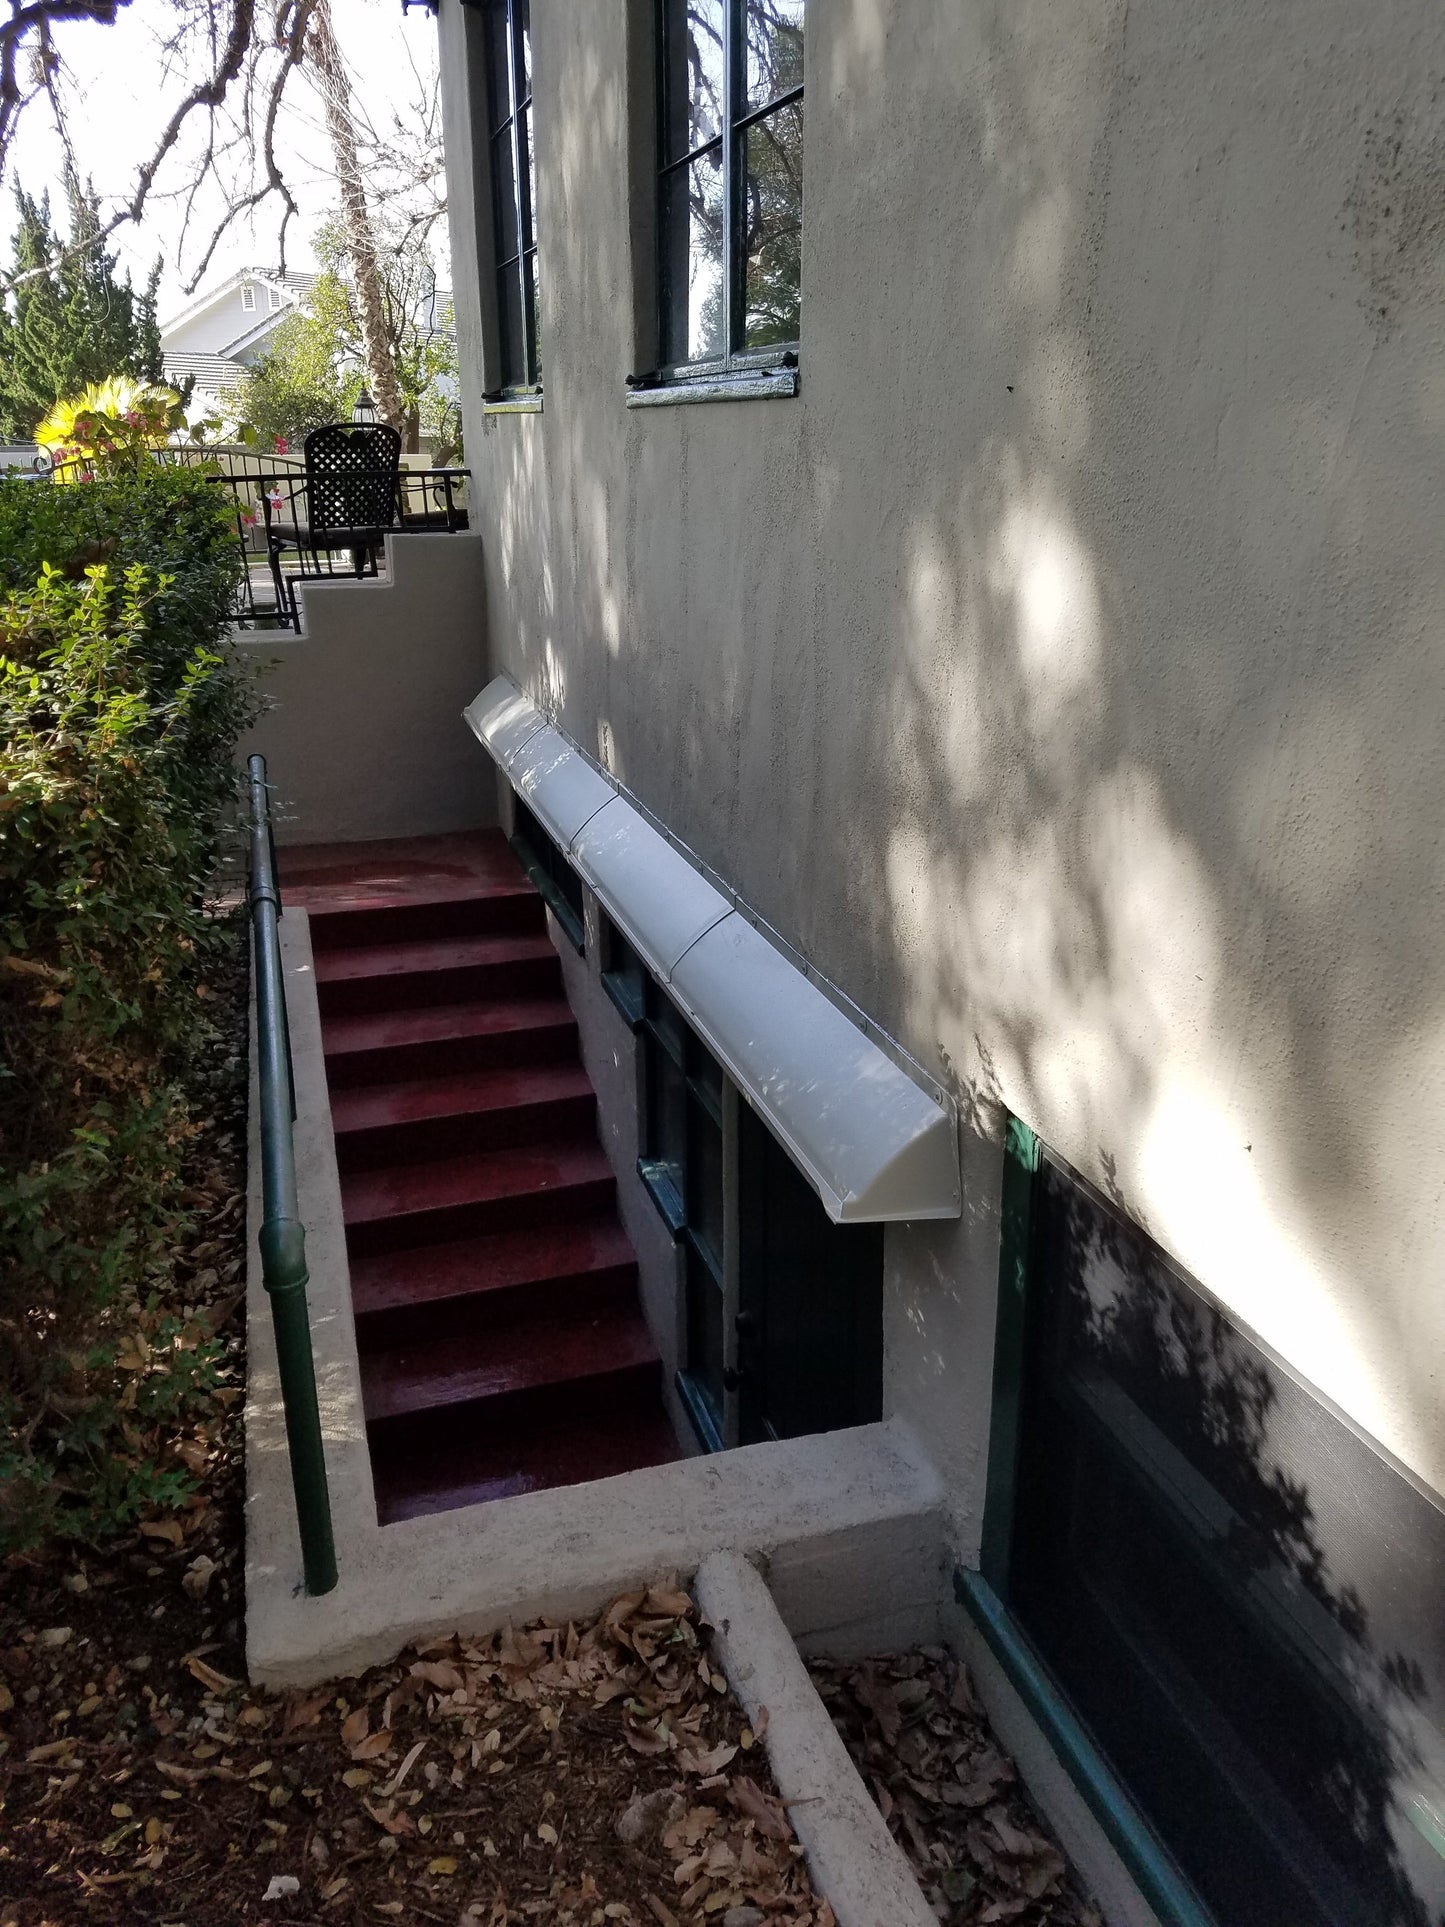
(360, 240)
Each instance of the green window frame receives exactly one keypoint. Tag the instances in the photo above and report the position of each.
(729, 186)
(512, 165)
(1201, 1577)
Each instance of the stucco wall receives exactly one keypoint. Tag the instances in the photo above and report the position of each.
(363, 734)
(1062, 671)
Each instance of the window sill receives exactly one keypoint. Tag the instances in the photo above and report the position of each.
(628, 997)
(663, 1193)
(782, 382)
(1147, 1859)
(513, 405)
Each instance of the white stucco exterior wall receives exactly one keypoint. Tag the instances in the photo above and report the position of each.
(1061, 672)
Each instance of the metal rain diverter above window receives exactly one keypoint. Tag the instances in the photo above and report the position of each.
(876, 1146)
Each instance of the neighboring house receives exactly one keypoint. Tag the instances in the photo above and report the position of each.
(214, 339)
(964, 600)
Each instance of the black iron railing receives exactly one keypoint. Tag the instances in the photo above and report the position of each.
(274, 530)
(283, 1238)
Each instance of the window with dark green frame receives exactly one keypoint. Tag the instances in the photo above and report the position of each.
(730, 184)
(550, 871)
(514, 193)
(1238, 1594)
(682, 1166)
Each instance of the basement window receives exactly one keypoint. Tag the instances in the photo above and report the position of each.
(1233, 1589)
(783, 1309)
(624, 975)
(729, 194)
(558, 882)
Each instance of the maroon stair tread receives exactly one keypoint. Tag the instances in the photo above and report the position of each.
(400, 1190)
(549, 1355)
(369, 1107)
(371, 1030)
(488, 1266)
(428, 954)
(460, 862)
(413, 1486)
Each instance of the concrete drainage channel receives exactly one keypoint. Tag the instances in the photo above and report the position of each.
(854, 1861)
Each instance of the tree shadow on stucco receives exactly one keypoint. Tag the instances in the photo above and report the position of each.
(1248, 1651)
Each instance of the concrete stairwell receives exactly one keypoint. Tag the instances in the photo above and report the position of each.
(501, 1342)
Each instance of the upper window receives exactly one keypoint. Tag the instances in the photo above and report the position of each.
(248, 298)
(514, 197)
(730, 182)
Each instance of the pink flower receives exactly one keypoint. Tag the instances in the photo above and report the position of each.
(248, 518)
(134, 419)
(283, 447)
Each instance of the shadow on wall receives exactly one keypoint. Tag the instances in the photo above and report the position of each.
(1059, 673)
(1239, 1595)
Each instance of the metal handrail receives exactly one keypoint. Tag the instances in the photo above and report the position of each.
(283, 1238)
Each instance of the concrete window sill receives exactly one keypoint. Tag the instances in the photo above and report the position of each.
(513, 405)
(781, 383)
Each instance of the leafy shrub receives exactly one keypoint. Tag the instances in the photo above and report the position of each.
(119, 711)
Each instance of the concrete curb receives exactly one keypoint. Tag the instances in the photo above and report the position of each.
(852, 1857)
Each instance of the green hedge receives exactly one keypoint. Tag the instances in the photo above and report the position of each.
(120, 706)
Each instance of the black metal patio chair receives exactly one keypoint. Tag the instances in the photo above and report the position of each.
(346, 500)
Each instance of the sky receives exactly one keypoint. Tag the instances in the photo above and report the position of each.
(125, 96)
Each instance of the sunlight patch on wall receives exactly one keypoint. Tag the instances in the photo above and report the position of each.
(1208, 1206)
(1040, 567)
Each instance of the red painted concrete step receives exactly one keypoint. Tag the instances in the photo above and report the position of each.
(434, 1203)
(502, 1345)
(539, 1362)
(387, 1045)
(533, 1458)
(437, 1288)
(436, 1117)
(407, 976)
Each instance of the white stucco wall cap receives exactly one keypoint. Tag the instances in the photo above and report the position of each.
(503, 720)
(560, 787)
(654, 895)
(875, 1145)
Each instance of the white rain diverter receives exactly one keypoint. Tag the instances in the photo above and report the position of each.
(875, 1145)
(503, 720)
(652, 893)
(559, 787)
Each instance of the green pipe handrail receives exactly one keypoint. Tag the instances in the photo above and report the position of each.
(283, 1238)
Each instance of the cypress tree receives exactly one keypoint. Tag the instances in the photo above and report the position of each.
(74, 322)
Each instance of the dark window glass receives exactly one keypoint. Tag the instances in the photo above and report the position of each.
(549, 869)
(730, 185)
(514, 227)
(774, 50)
(811, 1301)
(692, 259)
(624, 975)
(705, 1334)
(773, 230)
(1240, 1594)
(705, 1184)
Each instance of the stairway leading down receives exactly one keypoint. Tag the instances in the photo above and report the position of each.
(501, 1341)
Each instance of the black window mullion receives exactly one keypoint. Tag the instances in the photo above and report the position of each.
(522, 187)
(734, 97)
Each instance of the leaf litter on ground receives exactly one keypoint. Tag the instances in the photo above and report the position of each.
(949, 1793)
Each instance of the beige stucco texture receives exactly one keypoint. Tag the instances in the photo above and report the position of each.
(1062, 671)
(362, 733)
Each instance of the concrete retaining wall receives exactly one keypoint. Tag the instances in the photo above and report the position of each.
(364, 737)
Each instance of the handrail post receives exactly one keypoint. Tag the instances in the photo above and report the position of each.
(282, 1237)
